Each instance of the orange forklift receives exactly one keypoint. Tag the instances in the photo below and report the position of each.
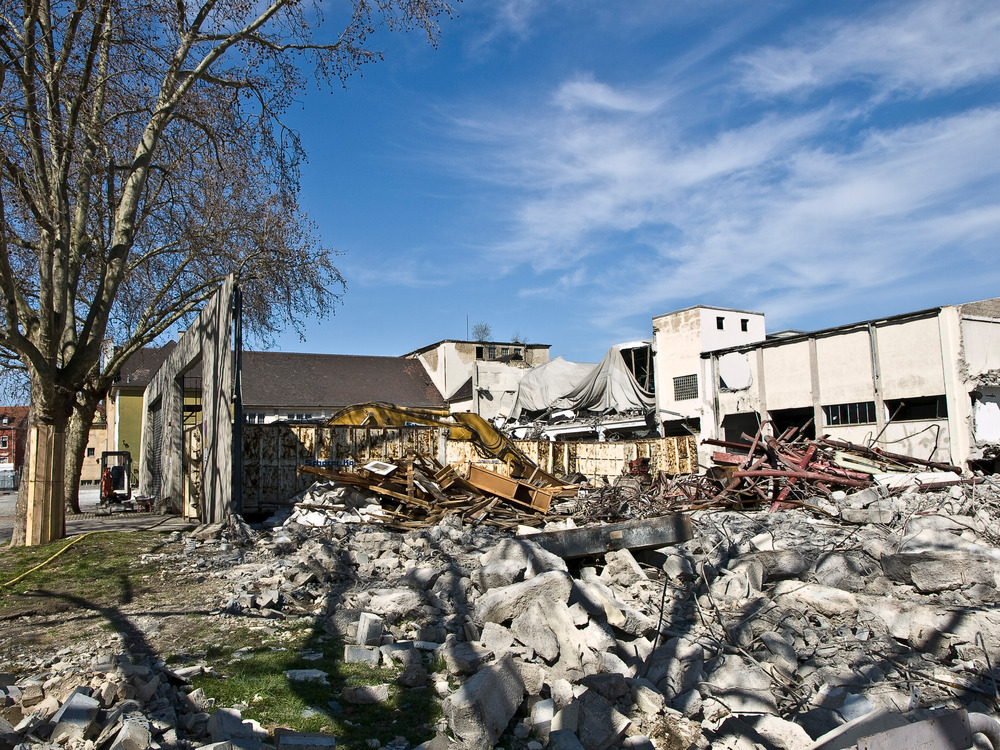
(116, 484)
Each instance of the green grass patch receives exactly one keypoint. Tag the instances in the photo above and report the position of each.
(255, 679)
(105, 567)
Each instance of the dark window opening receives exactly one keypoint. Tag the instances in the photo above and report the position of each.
(801, 419)
(910, 409)
(685, 387)
(681, 427)
(720, 323)
(861, 412)
(744, 325)
(479, 352)
(735, 426)
(640, 363)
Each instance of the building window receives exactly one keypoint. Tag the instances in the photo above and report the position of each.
(3, 442)
(913, 409)
(685, 387)
(493, 352)
(6, 420)
(504, 351)
(862, 412)
(744, 325)
(720, 323)
(90, 452)
(517, 353)
(479, 352)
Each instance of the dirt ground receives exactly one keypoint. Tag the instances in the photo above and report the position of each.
(123, 588)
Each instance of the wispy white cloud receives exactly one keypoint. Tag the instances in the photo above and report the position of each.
(584, 93)
(640, 198)
(921, 47)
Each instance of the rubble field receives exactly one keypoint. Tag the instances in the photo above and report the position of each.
(865, 608)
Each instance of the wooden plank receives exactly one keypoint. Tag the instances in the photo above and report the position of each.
(403, 498)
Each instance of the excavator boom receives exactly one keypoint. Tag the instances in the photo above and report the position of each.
(489, 441)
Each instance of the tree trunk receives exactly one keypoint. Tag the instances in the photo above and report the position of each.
(77, 437)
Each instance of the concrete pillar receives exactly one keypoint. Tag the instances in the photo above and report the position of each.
(955, 387)
(817, 403)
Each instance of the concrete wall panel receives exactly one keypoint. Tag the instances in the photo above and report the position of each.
(910, 358)
(787, 376)
(981, 342)
(844, 362)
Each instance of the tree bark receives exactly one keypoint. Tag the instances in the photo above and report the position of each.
(77, 437)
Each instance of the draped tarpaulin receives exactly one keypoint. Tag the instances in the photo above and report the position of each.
(608, 386)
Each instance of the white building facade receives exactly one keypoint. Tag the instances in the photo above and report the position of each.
(925, 384)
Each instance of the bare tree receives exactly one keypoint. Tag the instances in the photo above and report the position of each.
(143, 158)
(482, 331)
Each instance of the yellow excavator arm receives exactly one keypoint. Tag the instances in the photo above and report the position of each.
(462, 426)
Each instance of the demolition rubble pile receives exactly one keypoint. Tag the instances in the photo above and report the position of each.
(764, 630)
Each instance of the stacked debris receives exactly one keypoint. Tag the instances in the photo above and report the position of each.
(417, 491)
(779, 472)
(760, 630)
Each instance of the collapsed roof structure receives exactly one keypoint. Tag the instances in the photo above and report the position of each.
(560, 397)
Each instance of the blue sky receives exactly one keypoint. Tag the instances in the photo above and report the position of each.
(565, 170)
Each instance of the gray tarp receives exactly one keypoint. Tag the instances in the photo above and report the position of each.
(606, 387)
(543, 385)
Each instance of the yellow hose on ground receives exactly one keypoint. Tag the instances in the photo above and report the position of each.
(75, 540)
(43, 564)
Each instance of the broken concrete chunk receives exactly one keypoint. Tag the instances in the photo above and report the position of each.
(481, 709)
(422, 577)
(647, 697)
(826, 600)
(228, 724)
(134, 735)
(370, 628)
(496, 638)
(362, 655)
(845, 570)
(932, 572)
(504, 604)
(531, 628)
(541, 718)
(75, 717)
(622, 569)
(396, 604)
(564, 739)
(529, 557)
(305, 675)
(600, 724)
(462, 657)
(365, 694)
(497, 574)
(740, 686)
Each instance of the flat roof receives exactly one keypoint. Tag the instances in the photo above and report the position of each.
(708, 307)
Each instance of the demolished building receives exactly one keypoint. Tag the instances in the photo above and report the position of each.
(563, 400)
(924, 383)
